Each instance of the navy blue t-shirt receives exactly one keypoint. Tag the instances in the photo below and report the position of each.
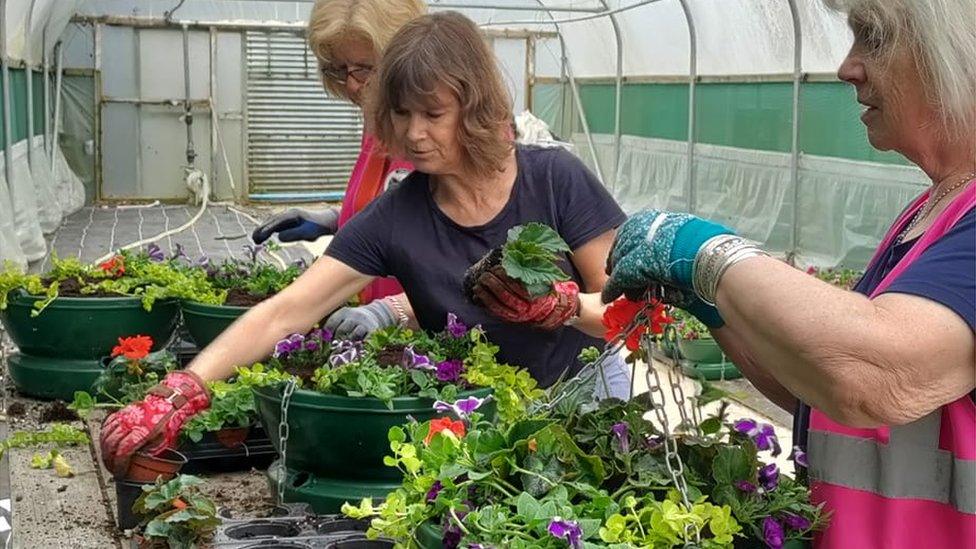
(405, 234)
(944, 273)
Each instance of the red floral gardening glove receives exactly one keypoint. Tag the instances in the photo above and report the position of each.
(153, 422)
(507, 299)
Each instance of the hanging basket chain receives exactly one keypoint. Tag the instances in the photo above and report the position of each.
(283, 432)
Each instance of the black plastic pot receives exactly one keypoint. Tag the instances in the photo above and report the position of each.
(362, 543)
(126, 494)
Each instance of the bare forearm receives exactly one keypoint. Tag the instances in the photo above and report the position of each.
(863, 362)
(591, 315)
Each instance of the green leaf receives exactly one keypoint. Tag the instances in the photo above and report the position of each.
(543, 235)
(732, 464)
(711, 425)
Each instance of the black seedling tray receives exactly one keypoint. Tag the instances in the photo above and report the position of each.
(295, 528)
(210, 456)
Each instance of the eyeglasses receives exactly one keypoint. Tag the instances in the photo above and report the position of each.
(341, 74)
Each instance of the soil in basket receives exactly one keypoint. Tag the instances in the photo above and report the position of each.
(242, 298)
(475, 271)
(303, 372)
(57, 411)
(71, 287)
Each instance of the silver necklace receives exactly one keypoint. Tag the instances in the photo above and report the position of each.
(930, 204)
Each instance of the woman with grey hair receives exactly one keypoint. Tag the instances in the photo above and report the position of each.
(886, 371)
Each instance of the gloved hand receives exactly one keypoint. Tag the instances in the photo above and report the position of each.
(658, 247)
(154, 422)
(296, 224)
(359, 322)
(507, 299)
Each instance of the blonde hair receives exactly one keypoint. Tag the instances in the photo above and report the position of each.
(374, 21)
(446, 49)
(941, 36)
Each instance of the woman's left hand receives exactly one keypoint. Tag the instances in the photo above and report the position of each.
(507, 299)
(656, 247)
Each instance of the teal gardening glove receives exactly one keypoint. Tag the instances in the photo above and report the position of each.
(655, 247)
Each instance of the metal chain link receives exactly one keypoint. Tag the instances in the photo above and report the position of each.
(283, 432)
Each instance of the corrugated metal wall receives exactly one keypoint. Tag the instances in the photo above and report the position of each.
(301, 142)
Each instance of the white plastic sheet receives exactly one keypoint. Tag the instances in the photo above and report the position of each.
(71, 191)
(37, 164)
(27, 227)
(844, 207)
(9, 242)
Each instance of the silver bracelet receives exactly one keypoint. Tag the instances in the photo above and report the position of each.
(715, 257)
(401, 313)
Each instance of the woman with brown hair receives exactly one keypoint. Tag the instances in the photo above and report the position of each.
(439, 101)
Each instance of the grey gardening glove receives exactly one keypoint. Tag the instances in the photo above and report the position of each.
(296, 224)
(359, 322)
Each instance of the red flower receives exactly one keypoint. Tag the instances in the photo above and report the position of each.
(444, 424)
(114, 266)
(620, 314)
(134, 348)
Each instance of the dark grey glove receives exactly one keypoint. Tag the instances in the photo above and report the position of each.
(359, 322)
(296, 224)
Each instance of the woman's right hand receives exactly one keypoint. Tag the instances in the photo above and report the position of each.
(152, 424)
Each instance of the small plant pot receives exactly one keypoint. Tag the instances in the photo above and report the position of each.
(126, 494)
(205, 322)
(262, 529)
(429, 535)
(147, 468)
(232, 437)
(710, 372)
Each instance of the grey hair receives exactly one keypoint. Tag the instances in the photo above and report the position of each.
(941, 34)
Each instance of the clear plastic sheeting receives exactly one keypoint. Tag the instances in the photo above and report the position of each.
(844, 206)
(33, 196)
(9, 235)
(27, 227)
(47, 20)
(71, 191)
(49, 211)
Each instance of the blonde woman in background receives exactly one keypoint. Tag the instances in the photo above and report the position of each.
(348, 38)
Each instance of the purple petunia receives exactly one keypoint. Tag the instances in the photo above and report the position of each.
(434, 490)
(799, 457)
(180, 253)
(412, 359)
(568, 530)
(449, 371)
(762, 434)
(462, 408)
(621, 435)
(155, 253)
(455, 327)
(312, 345)
(769, 477)
(289, 345)
(773, 533)
(745, 486)
(653, 442)
(796, 522)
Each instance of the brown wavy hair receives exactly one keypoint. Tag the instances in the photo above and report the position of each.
(446, 49)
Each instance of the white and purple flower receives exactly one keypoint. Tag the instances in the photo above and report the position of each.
(621, 433)
(769, 477)
(412, 359)
(289, 345)
(462, 408)
(568, 530)
(762, 434)
(155, 253)
(455, 327)
(799, 457)
(344, 352)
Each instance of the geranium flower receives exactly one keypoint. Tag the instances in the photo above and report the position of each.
(412, 359)
(449, 371)
(620, 314)
(133, 348)
(762, 434)
(155, 253)
(434, 490)
(444, 424)
(622, 436)
(568, 530)
(772, 532)
(455, 327)
(114, 266)
(769, 477)
(799, 457)
(462, 407)
(796, 522)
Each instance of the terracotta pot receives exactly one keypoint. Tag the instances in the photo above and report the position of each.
(232, 437)
(147, 468)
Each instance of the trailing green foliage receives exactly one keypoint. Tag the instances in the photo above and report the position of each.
(232, 402)
(530, 255)
(176, 513)
(59, 434)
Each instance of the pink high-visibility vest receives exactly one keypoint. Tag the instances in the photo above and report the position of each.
(908, 486)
